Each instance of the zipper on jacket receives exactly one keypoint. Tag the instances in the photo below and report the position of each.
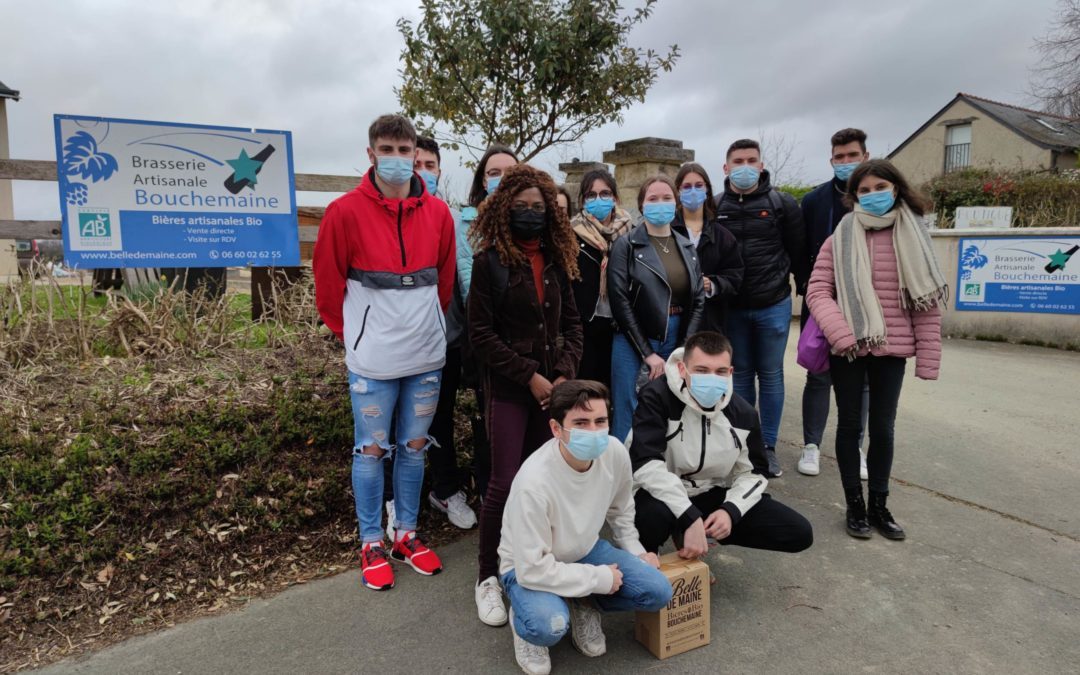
(664, 279)
(753, 487)
(401, 238)
(705, 429)
(363, 326)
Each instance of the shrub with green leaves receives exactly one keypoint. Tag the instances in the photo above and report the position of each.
(1038, 198)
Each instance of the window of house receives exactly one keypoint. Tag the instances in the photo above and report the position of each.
(1049, 126)
(957, 147)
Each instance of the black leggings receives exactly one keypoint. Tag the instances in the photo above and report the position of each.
(769, 525)
(884, 375)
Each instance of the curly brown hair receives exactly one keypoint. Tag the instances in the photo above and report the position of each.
(492, 226)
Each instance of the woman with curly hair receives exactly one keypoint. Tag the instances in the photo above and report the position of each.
(525, 333)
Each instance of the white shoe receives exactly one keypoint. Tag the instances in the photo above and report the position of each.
(489, 602)
(585, 629)
(533, 659)
(390, 516)
(456, 509)
(810, 462)
(863, 473)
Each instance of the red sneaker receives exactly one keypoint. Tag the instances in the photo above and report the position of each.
(409, 549)
(375, 570)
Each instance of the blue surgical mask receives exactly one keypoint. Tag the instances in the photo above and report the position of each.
(844, 171)
(692, 198)
(744, 176)
(659, 214)
(877, 203)
(493, 183)
(600, 207)
(431, 181)
(394, 170)
(587, 445)
(708, 389)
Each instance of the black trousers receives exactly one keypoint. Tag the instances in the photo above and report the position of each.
(596, 352)
(442, 456)
(769, 525)
(884, 375)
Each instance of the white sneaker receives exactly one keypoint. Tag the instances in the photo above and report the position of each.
(810, 462)
(863, 473)
(533, 659)
(489, 602)
(390, 516)
(456, 509)
(585, 629)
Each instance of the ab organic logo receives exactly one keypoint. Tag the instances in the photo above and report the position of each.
(94, 223)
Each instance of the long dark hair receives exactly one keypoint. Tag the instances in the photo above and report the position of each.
(478, 191)
(492, 226)
(884, 169)
(684, 171)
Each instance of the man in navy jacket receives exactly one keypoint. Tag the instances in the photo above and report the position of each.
(822, 209)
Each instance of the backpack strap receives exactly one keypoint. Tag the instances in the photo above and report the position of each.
(777, 203)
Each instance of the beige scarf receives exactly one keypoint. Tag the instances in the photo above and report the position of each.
(600, 237)
(921, 283)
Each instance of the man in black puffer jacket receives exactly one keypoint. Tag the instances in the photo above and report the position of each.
(772, 241)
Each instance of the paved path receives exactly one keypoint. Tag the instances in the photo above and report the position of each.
(988, 487)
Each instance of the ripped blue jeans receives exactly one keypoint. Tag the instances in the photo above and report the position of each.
(374, 404)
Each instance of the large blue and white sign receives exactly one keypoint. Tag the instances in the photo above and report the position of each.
(1020, 274)
(157, 194)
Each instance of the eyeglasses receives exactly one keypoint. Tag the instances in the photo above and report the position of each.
(606, 194)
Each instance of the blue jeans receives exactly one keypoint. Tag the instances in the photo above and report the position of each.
(758, 340)
(374, 404)
(542, 618)
(625, 364)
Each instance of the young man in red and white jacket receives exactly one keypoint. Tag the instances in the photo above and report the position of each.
(384, 268)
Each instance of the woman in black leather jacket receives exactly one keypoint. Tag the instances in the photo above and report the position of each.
(657, 297)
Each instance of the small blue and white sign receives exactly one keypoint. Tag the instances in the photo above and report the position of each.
(1019, 274)
(158, 194)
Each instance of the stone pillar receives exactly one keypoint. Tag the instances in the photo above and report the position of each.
(641, 158)
(574, 171)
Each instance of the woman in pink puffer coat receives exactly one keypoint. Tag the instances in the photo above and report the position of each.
(876, 292)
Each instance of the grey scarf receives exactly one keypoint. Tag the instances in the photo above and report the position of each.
(921, 283)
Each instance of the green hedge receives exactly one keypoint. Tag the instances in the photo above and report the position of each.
(1039, 199)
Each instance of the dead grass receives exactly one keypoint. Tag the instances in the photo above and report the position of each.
(163, 458)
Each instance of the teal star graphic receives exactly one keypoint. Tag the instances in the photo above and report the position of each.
(244, 168)
(1059, 259)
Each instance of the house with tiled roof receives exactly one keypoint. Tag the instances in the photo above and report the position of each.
(977, 132)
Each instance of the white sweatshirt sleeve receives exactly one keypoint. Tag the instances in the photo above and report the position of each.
(535, 566)
(620, 515)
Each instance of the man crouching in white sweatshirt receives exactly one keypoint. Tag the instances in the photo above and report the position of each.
(557, 571)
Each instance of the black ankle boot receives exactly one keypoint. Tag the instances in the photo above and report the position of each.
(880, 517)
(856, 513)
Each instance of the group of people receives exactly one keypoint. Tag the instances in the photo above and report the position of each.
(625, 372)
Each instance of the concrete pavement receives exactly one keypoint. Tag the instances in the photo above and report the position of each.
(987, 469)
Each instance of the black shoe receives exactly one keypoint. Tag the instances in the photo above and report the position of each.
(857, 526)
(774, 464)
(880, 518)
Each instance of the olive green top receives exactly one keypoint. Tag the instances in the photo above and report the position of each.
(674, 268)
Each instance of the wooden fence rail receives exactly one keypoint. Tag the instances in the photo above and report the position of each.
(34, 169)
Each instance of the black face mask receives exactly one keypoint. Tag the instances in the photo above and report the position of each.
(526, 224)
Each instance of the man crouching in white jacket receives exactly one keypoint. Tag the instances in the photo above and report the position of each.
(698, 457)
(557, 571)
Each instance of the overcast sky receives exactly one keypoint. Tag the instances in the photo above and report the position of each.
(324, 69)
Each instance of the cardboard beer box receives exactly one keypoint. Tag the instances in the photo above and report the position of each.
(684, 623)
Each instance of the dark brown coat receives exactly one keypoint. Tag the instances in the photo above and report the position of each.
(512, 336)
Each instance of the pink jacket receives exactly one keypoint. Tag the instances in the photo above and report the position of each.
(908, 333)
